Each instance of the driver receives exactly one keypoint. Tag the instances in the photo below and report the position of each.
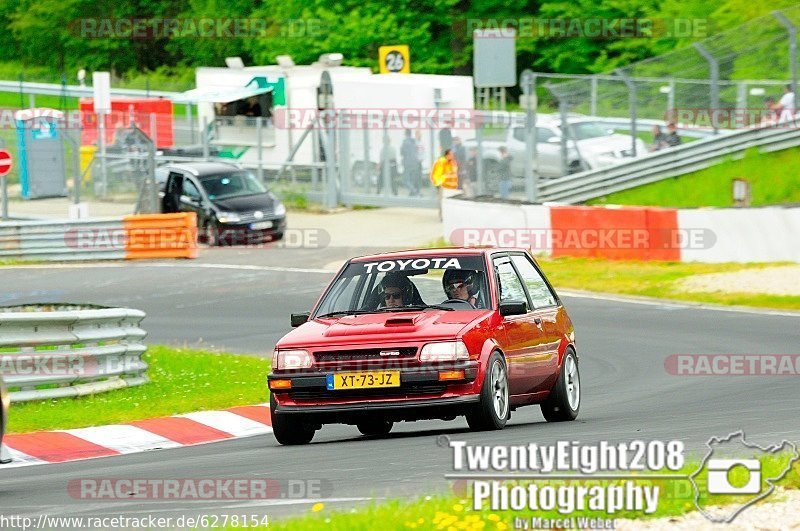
(461, 284)
(397, 290)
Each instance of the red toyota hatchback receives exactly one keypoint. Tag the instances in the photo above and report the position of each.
(427, 334)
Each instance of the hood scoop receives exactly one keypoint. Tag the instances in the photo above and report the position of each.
(400, 321)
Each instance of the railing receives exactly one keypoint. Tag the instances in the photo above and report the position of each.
(54, 351)
(76, 91)
(666, 163)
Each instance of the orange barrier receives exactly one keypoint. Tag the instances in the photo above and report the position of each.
(615, 233)
(160, 236)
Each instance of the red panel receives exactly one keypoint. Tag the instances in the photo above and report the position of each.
(181, 430)
(56, 446)
(124, 111)
(633, 233)
(257, 413)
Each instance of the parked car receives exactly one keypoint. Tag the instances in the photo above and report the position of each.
(4, 404)
(232, 205)
(590, 145)
(427, 334)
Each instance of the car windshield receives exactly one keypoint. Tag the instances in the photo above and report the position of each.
(403, 284)
(584, 130)
(234, 184)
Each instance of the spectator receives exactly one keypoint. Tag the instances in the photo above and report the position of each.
(411, 164)
(444, 174)
(785, 107)
(460, 154)
(672, 139)
(253, 107)
(504, 172)
(659, 139)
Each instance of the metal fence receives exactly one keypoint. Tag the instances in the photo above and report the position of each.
(61, 350)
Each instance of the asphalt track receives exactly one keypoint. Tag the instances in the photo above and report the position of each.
(226, 302)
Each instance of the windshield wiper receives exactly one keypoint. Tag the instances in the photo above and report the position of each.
(341, 312)
(414, 307)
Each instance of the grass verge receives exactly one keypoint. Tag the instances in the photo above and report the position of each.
(650, 279)
(774, 179)
(182, 381)
(676, 497)
(655, 279)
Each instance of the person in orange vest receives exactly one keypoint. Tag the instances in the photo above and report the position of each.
(444, 174)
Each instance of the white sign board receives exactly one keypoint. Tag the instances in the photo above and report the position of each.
(101, 83)
(494, 57)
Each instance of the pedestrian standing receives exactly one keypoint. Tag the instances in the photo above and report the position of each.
(444, 176)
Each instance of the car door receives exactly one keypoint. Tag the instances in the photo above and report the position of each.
(545, 312)
(191, 199)
(548, 154)
(524, 336)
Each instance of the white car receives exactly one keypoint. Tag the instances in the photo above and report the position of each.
(589, 145)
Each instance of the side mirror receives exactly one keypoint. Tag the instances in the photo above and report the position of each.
(299, 318)
(188, 200)
(513, 308)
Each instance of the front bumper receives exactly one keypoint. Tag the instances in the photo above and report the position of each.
(421, 395)
(244, 233)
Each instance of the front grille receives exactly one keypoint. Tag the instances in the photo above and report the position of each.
(406, 391)
(364, 354)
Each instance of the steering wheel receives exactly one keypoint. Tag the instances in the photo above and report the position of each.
(459, 302)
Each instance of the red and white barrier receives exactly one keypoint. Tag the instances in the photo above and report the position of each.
(712, 235)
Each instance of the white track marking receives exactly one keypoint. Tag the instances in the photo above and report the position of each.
(669, 304)
(20, 459)
(236, 425)
(123, 438)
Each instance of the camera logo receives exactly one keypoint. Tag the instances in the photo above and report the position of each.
(742, 471)
(720, 471)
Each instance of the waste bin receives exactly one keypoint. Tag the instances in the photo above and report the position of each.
(42, 164)
(87, 154)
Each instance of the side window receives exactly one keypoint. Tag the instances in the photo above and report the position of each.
(543, 134)
(510, 286)
(190, 189)
(537, 288)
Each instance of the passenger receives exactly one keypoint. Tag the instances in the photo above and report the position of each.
(461, 284)
(397, 290)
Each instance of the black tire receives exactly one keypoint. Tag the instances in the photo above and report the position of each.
(375, 427)
(486, 415)
(564, 401)
(211, 233)
(290, 430)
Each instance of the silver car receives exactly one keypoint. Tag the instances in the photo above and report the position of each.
(4, 403)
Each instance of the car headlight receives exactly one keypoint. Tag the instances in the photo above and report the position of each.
(444, 351)
(291, 359)
(228, 217)
(280, 210)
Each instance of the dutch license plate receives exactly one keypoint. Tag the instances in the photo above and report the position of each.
(261, 225)
(363, 380)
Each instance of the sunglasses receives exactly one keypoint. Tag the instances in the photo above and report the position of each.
(456, 285)
(396, 296)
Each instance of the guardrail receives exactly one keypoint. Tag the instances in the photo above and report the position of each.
(130, 237)
(62, 350)
(76, 91)
(664, 164)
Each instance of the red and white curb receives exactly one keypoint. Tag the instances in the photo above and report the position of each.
(140, 436)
